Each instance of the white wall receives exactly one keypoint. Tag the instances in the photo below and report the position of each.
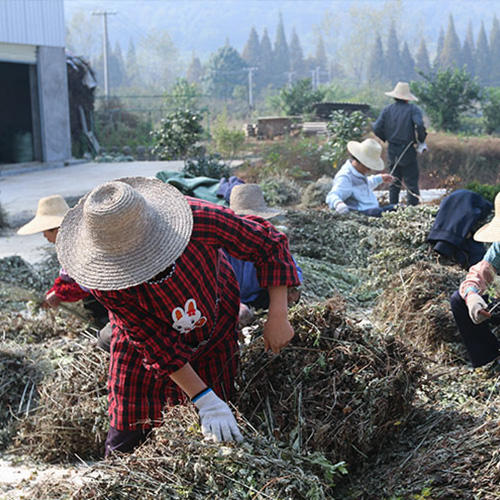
(34, 22)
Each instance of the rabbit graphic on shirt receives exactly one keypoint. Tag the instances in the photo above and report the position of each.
(189, 318)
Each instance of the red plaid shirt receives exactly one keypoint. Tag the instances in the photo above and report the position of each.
(186, 317)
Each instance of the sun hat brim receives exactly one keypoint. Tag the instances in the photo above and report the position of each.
(356, 149)
(404, 97)
(267, 213)
(490, 232)
(40, 224)
(161, 245)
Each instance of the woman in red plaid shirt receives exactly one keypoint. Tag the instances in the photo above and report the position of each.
(154, 259)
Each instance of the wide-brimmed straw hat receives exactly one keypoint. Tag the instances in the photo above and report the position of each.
(123, 233)
(402, 91)
(490, 232)
(368, 152)
(49, 215)
(248, 199)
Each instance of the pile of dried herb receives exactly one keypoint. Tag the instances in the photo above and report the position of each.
(417, 307)
(71, 419)
(177, 463)
(340, 387)
(19, 375)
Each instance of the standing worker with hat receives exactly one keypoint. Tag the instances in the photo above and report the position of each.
(352, 188)
(472, 313)
(154, 258)
(401, 124)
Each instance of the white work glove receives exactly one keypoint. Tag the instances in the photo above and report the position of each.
(217, 420)
(341, 208)
(422, 147)
(476, 304)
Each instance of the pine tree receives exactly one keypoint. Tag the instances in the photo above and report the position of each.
(194, 72)
(131, 67)
(376, 62)
(117, 76)
(439, 49)
(321, 57)
(251, 51)
(450, 55)
(264, 73)
(296, 57)
(281, 56)
(482, 57)
(494, 77)
(393, 57)
(422, 62)
(470, 37)
(468, 57)
(407, 64)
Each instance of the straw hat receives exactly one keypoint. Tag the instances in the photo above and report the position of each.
(490, 232)
(247, 199)
(368, 153)
(123, 233)
(402, 91)
(49, 215)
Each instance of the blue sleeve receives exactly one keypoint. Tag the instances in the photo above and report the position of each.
(378, 126)
(493, 255)
(341, 190)
(418, 120)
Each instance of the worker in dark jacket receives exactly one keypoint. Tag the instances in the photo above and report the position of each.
(402, 126)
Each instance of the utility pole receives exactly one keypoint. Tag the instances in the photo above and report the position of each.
(317, 77)
(289, 75)
(313, 79)
(250, 85)
(105, 46)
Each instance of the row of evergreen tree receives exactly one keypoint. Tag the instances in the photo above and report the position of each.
(481, 58)
(282, 62)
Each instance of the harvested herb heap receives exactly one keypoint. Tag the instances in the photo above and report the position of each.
(71, 419)
(339, 387)
(417, 308)
(176, 463)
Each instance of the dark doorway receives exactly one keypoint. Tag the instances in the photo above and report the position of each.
(17, 95)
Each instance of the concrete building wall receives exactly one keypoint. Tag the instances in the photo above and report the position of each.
(34, 22)
(54, 106)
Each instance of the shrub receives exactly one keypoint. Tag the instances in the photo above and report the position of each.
(299, 98)
(178, 133)
(210, 165)
(491, 110)
(228, 141)
(485, 190)
(342, 128)
(447, 94)
(296, 158)
(116, 127)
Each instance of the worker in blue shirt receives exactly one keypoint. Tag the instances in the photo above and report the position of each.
(401, 124)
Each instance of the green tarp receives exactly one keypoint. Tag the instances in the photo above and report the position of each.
(199, 187)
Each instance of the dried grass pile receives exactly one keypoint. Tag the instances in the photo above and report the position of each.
(19, 374)
(417, 307)
(176, 463)
(340, 387)
(71, 419)
(448, 449)
(368, 249)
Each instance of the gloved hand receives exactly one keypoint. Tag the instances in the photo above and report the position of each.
(341, 208)
(476, 304)
(422, 147)
(217, 420)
